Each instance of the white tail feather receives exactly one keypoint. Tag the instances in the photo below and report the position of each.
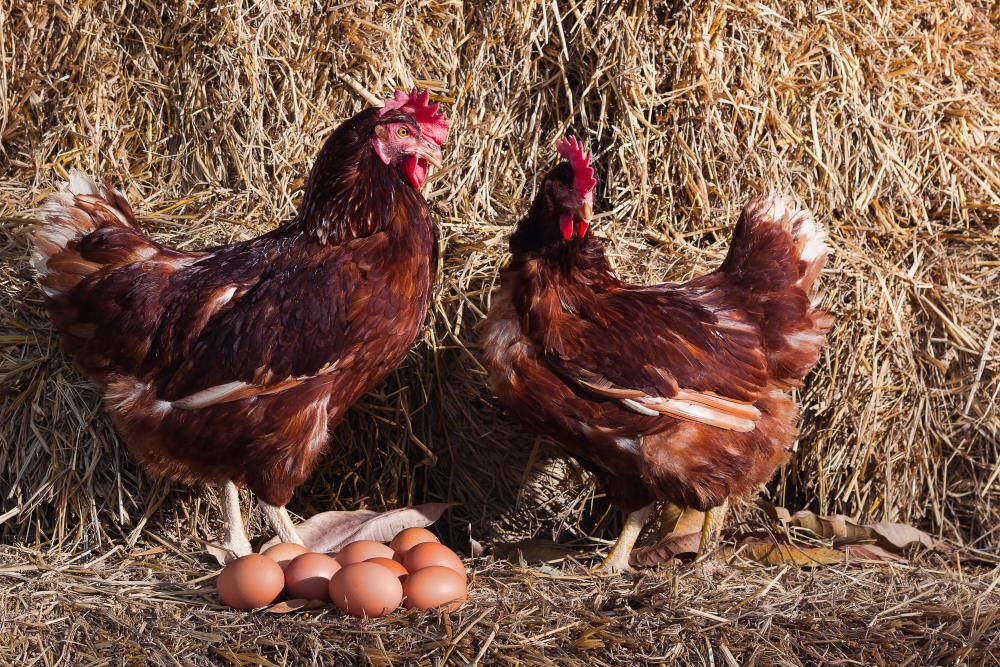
(810, 236)
(60, 222)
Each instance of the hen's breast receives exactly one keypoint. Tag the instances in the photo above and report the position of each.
(604, 438)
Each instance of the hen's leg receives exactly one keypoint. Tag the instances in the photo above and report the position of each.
(236, 536)
(282, 523)
(617, 560)
(712, 528)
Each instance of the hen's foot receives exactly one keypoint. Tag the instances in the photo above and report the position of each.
(613, 563)
(680, 536)
(283, 524)
(618, 560)
(708, 563)
(237, 545)
(236, 538)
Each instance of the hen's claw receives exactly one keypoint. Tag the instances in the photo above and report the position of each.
(618, 560)
(283, 525)
(614, 563)
(238, 546)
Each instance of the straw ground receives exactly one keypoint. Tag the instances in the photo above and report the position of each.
(884, 118)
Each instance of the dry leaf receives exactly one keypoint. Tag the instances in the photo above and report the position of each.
(871, 552)
(298, 604)
(665, 550)
(329, 531)
(772, 553)
(893, 537)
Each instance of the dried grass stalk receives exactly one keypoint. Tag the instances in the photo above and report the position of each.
(883, 118)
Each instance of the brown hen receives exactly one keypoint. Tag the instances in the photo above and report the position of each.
(228, 366)
(671, 392)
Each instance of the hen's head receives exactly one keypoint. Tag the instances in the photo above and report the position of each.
(564, 206)
(408, 134)
(570, 189)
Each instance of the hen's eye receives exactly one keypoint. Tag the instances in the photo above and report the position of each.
(403, 131)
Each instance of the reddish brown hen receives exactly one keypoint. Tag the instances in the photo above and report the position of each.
(228, 366)
(672, 392)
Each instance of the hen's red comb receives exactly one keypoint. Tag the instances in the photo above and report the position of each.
(432, 122)
(583, 173)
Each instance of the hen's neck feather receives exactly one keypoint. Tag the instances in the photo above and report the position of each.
(538, 242)
(351, 193)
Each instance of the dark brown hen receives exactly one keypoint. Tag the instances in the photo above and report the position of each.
(673, 392)
(228, 366)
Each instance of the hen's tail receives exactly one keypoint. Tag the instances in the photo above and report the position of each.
(81, 229)
(776, 254)
(91, 260)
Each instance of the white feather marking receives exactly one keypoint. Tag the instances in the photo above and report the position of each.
(804, 338)
(327, 368)
(778, 208)
(318, 435)
(39, 262)
(56, 205)
(635, 406)
(81, 184)
(711, 411)
(58, 234)
(815, 240)
(180, 262)
(123, 394)
(803, 226)
(628, 444)
(224, 296)
(210, 396)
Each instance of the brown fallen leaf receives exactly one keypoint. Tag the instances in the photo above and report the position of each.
(872, 552)
(329, 531)
(892, 537)
(665, 550)
(773, 553)
(298, 604)
(901, 536)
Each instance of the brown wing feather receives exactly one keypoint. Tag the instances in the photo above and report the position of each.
(662, 351)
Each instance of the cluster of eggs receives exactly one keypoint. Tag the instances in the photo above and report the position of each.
(365, 578)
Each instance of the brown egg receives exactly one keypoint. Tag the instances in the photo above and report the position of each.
(435, 586)
(308, 576)
(283, 553)
(409, 538)
(366, 590)
(392, 565)
(362, 550)
(250, 582)
(431, 553)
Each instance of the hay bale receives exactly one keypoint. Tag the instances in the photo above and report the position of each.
(883, 119)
